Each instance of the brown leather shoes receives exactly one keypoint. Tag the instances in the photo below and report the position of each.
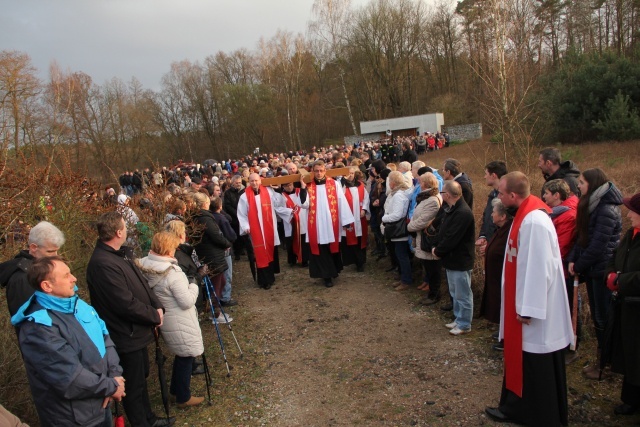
(194, 401)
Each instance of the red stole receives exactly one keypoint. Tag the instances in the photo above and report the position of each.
(513, 328)
(352, 239)
(312, 230)
(295, 225)
(263, 248)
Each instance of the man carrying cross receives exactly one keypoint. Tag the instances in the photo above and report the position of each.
(328, 212)
(257, 210)
(534, 319)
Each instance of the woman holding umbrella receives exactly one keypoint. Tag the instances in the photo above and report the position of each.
(624, 278)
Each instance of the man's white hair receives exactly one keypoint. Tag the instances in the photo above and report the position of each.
(45, 232)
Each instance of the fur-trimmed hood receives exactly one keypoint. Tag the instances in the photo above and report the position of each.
(156, 267)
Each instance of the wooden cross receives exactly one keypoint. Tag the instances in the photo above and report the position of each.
(285, 179)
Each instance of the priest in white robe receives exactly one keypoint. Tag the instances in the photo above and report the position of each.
(258, 207)
(534, 321)
(328, 212)
(354, 239)
(295, 231)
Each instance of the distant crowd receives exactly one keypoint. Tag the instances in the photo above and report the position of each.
(328, 209)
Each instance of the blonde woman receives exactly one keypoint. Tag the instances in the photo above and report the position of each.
(180, 329)
(395, 209)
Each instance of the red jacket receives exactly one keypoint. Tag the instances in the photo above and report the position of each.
(564, 220)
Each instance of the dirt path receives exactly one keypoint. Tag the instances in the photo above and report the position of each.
(362, 354)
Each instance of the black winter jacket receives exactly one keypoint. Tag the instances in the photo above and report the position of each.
(488, 227)
(122, 297)
(211, 244)
(222, 219)
(570, 173)
(605, 225)
(626, 350)
(467, 188)
(455, 243)
(230, 205)
(13, 276)
(186, 263)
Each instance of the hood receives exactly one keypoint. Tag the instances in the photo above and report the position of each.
(22, 261)
(613, 196)
(569, 169)
(155, 267)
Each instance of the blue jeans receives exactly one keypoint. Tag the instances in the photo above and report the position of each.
(181, 378)
(228, 275)
(462, 297)
(599, 300)
(404, 262)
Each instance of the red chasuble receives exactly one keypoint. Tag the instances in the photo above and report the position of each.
(263, 247)
(295, 225)
(352, 239)
(513, 328)
(312, 230)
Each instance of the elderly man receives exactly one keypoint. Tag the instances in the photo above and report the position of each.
(122, 297)
(257, 210)
(455, 247)
(71, 362)
(328, 212)
(45, 239)
(534, 318)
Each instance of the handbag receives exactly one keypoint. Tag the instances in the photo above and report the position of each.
(397, 229)
(428, 236)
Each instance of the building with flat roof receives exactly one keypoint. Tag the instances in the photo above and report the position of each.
(402, 126)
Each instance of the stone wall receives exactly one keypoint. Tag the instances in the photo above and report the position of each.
(464, 132)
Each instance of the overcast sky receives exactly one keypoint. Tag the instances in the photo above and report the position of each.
(141, 38)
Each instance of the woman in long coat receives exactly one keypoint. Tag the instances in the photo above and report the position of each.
(623, 277)
(180, 328)
(428, 202)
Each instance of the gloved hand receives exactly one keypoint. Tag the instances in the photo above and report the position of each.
(612, 281)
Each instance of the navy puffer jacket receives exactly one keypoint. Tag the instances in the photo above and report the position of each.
(605, 225)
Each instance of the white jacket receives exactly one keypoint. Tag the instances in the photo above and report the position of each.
(180, 328)
(395, 208)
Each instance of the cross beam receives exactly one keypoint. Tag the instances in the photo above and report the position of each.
(285, 179)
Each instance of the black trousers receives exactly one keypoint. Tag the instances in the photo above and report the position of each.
(544, 392)
(135, 370)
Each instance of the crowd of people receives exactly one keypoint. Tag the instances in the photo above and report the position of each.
(331, 208)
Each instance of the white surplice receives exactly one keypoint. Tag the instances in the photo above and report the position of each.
(357, 206)
(324, 225)
(540, 286)
(278, 208)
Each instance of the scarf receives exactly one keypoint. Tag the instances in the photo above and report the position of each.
(352, 238)
(513, 328)
(295, 224)
(262, 246)
(83, 312)
(332, 198)
(594, 198)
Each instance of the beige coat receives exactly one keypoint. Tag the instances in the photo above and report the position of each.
(423, 215)
(180, 328)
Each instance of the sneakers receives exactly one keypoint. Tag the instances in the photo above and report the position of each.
(193, 401)
(220, 319)
(451, 325)
(458, 331)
